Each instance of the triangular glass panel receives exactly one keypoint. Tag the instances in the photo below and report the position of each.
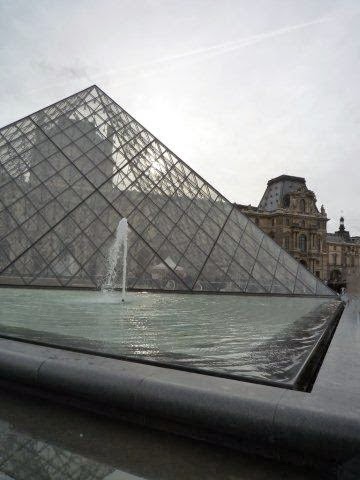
(12, 277)
(81, 280)
(30, 264)
(301, 288)
(95, 268)
(285, 278)
(321, 289)
(159, 275)
(278, 287)
(307, 278)
(46, 278)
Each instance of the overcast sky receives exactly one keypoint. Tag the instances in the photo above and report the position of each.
(242, 90)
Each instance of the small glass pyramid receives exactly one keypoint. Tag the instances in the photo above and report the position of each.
(71, 171)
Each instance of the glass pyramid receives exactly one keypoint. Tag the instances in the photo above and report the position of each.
(71, 171)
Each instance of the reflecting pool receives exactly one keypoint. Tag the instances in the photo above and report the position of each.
(264, 338)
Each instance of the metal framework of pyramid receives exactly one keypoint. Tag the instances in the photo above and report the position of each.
(71, 171)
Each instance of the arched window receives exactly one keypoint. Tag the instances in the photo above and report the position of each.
(302, 243)
(302, 205)
(287, 243)
(286, 201)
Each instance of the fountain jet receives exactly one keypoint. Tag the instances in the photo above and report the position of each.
(113, 259)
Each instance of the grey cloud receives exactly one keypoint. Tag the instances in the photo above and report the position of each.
(76, 69)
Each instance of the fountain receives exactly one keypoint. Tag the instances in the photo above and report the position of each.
(113, 259)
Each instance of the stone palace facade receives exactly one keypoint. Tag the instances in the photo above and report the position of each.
(289, 214)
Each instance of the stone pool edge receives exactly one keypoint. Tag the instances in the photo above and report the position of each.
(324, 423)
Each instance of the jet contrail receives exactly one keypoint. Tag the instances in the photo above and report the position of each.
(235, 44)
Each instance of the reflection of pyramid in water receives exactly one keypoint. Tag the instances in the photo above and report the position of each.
(71, 171)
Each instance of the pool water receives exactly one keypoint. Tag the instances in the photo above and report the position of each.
(256, 337)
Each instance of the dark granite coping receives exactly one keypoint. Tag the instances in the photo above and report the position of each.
(324, 422)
